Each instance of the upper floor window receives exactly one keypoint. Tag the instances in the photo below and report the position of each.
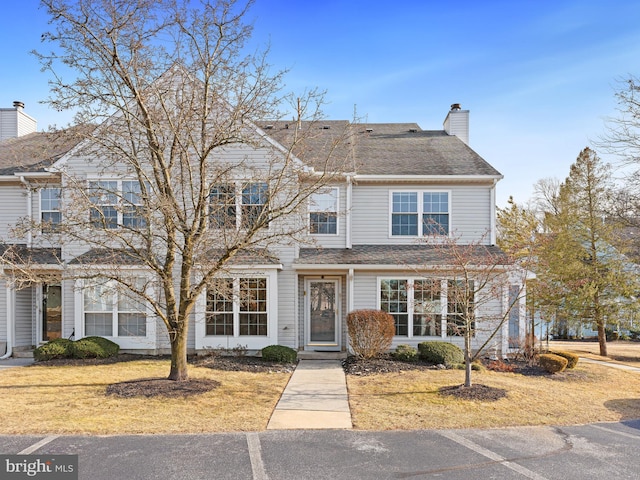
(323, 212)
(419, 213)
(116, 203)
(246, 207)
(50, 214)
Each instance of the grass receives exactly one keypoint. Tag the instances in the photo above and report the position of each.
(410, 399)
(624, 352)
(72, 400)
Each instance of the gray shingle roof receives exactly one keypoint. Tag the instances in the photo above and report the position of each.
(382, 148)
(35, 151)
(22, 255)
(401, 255)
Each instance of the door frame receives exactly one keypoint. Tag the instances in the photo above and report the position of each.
(323, 346)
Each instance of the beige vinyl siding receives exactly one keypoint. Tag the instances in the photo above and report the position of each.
(13, 199)
(3, 312)
(24, 317)
(287, 289)
(68, 309)
(470, 210)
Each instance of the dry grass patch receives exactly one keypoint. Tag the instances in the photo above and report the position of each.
(411, 399)
(72, 399)
(624, 352)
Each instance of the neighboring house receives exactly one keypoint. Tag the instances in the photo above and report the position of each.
(364, 247)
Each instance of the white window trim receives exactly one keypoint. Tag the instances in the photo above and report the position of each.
(337, 212)
(42, 210)
(411, 305)
(238, 187)
(119, 198)
(204, 341)
(125, 342)
(420, 212)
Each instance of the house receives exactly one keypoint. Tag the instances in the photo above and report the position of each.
(361, 243)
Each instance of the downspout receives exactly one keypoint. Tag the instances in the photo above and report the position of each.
(493, 213)
(349, 200)
(29, 209)
(10, 323)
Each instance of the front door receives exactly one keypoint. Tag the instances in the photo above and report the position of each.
(323, 314)
(51, 312)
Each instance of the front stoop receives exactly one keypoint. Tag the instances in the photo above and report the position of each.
(22, 353)
(311, 355)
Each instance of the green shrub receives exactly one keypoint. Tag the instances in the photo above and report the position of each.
(370, 332)
(405, 353)
(56, 348)
(440, 353)
(552, 363)
(572, 358)
(279, 353)
(95, 347)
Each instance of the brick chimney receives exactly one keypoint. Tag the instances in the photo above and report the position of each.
(457, 123)
(15, 123)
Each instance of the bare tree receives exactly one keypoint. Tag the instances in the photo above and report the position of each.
(482, 287)
(175, 100)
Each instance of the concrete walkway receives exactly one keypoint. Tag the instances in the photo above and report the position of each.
(15, 362)
(315, 398)
(619, 366)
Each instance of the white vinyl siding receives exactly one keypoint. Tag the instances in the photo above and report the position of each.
(14, 206)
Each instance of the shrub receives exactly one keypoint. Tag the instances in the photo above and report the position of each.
(500, 366)
(370, 332)
(440, 353)
(95, 347)
(552, 363)
(56, 348)
(279, 353)
(405, 353)
(572, 358)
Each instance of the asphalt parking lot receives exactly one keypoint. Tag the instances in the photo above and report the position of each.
(597, 451)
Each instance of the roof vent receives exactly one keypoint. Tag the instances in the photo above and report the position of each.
(369, 130)
(455, 107)
(325, 127)
(268, 127)
(413, 130)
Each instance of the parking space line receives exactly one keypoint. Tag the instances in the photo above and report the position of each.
(491, 455)
(255, 455)
(37, 445)
(624, 434)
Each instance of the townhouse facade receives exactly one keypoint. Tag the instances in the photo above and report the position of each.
(364, 246)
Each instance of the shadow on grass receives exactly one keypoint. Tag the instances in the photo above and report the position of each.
(628, 408)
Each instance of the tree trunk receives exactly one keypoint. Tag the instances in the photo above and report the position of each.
(179, 370)
(467, 358)
(602, 338)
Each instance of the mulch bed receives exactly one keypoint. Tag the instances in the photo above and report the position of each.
(476, 391)
(161, 387)
(240, 363)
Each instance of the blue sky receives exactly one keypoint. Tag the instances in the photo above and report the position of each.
(538, 77)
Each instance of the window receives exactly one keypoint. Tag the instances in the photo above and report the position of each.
(459, 299)
(116, 203)
(219, 310)
(426, 307)
(103, 196)
(222, 206)
(132, 208)
(407, 208)
(323, 212)
(50, 215)
(237, 307)
(254, 203)
(247, 208)
(110, 311)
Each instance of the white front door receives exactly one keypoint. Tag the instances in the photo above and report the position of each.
(322, 311)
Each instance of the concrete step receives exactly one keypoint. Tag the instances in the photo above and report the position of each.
(22, 354)
(310, 355)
